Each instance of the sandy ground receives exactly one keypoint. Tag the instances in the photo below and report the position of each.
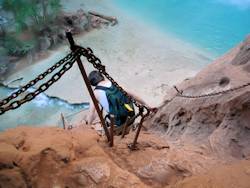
(140, 58)
(79, 158)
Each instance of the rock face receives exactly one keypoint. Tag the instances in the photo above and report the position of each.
(78, 22)
(192, 142)
(234, 175)
(53, 157)
(219, 124)
(243, 57)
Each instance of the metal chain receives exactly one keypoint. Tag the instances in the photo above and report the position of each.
(88, 53)
(41, 76)
(179, 94)
(96, 62)
(68, 62)
(43, 87)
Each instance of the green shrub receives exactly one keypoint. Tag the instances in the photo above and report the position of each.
(31, 12)
(29, 15)
(3, 51)
(16, 47)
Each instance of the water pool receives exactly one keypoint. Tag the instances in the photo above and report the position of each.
(214, 25)
(43, 110)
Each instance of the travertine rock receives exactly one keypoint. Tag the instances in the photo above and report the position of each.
(220, 123)
(53, 157)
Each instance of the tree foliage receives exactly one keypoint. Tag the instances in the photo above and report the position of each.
(16, 47)
(32, 12)
(19, 11)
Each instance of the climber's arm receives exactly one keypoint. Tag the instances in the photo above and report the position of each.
(92, 113)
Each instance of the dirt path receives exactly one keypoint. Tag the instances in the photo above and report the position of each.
(158, 163)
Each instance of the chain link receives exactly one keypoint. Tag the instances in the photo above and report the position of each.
(66, 64)
(179, 94)
(96, 62)
(88, 53)
(71, 58)
(41, 76)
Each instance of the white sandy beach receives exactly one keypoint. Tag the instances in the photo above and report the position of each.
(142, 59)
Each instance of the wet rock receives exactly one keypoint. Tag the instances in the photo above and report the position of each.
(78, 21)
(44, 43)
(3, 69)
(3, 23)
(95, 22)
(83, 19)
(4, 64)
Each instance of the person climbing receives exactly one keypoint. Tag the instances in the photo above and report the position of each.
(112, 100)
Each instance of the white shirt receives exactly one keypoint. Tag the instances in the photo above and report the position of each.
(101, 95)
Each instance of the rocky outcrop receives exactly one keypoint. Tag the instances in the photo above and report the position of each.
(53, 157)
(222, 176)
(243, 57)
(46, 36)
(219, 124)
(78, 22)
(187, 139)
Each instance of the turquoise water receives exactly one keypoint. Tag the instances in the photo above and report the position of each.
(43, 110)
(214, 25)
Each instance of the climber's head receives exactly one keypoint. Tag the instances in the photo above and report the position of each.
(95, 77)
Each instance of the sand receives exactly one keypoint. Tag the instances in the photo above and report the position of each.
(79, 158)
(141, 58)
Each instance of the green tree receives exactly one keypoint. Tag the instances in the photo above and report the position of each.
(19, 9)
(39, 12)
(32, 14)
(43, 11)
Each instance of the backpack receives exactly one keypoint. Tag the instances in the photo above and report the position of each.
(119, 104)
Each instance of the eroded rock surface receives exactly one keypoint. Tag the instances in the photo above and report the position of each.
(220, 124)
(201, 142)
(53, 157)
(227, 176)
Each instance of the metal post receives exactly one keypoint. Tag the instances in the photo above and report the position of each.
(125, 127)
(178, 91)
(86, 80)
(112, 119)
(63, 121)
(133, 146)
